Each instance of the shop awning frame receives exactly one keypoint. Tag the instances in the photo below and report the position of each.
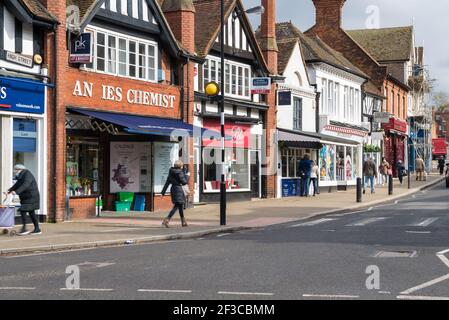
(298, 139)
(143, 124)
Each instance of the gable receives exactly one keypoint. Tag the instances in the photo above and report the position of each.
(236, 35)
(133, 13)
(295, 72)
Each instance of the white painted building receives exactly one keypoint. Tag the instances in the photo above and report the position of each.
(23, 98)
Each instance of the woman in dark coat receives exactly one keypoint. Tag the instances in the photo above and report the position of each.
(28, 192)
(177, 179)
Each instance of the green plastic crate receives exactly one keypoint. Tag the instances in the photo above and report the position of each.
(122, 206)
(125, 196)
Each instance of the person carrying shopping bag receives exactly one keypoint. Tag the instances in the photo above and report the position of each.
(177, 178)
(28, 192)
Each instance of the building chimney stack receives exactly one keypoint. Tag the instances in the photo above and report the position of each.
(268, 42)
(180, 15)
(328, 13)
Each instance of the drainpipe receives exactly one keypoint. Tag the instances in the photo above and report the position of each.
(55, 108)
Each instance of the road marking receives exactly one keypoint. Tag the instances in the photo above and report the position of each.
(223, 235)
(312, 223)
(442, 256)
(426, 222)
(364, 222)
(17, 288)
(396, 202)
(332, 296)
(418, 232)
(370, 208)
(421, 298)
(247, 293)
(87, 289)
(165, 291)
(384, 292)
(425, 285)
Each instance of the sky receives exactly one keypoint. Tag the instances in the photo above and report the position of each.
(430, 19)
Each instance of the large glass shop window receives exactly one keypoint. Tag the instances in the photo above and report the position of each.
(24, 144)
(237, 168)
(340, 163)
(84, 166)
(349, 164)
(290, 158)
(327, 163)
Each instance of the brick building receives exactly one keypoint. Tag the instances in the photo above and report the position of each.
(382, 84)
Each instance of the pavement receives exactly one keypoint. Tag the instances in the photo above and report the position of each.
(115, 229)
(396, 250)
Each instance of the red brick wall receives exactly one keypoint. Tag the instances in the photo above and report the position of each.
(389, 87)
(83, 208)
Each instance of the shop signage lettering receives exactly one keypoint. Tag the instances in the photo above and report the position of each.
(132, 96)
(81, 49)
(261, 85)
(17, 58)
(22, 96)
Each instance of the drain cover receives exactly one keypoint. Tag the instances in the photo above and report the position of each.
(395, 254)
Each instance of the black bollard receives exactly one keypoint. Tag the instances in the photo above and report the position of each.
(409, 180)
(359, 190)
(390, 185)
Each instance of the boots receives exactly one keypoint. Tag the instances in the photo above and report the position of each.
(184, 222)
(165, 222)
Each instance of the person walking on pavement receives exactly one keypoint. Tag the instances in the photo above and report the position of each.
(441, 164)
(28, 192)
(314, 177)
(177, 178)
(419, 167)
(384, 167)
(401, 171)
(305, 170)
(370, 172)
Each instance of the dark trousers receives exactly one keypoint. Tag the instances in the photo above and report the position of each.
(33, 217)
(177, 206)
(401, 178)
(305, 187)
(441, 170)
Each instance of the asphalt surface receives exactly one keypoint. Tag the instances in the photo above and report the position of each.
(331, 257)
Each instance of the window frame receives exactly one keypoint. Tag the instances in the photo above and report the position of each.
(94, 30)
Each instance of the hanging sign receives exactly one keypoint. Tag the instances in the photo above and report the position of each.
(81, 49)
(260, 85)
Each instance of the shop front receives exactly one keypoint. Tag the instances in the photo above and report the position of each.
(293, 145)
(242, 160)
(395, 142)
(340, 158)
(23, 133)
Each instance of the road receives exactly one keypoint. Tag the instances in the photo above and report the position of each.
(398, 249)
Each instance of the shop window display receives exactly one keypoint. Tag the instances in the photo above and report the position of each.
(83, 166)
(340, 163)
(24, 143)
(349, 164)
(237, 168)
(327, 163)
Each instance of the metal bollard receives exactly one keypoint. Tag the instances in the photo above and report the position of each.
(409, 180)
(359, 190)
(390, 185)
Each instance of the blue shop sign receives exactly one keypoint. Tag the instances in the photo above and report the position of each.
(20, 95)
(290, 187)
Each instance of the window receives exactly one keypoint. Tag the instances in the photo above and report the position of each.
(290, 161)
(330, 95)
(336, 99)
(298, 75)
(346, 102)
(237, 76)
(392, 103)
(399, 107)
(324, 97)
(357, 105)
(404, 108)
(351, 104)
(124, 56)
(25, 143)
(297, 113)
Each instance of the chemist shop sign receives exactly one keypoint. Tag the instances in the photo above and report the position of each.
(119, 94)
(22, 95)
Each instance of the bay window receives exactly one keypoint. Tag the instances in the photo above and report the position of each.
(125, 56)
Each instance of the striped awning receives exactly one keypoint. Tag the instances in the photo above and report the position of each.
(298, 140)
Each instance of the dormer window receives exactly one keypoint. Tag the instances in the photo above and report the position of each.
(122, 55)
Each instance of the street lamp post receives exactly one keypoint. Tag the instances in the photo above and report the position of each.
(222, 121)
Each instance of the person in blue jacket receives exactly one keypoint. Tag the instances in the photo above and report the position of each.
(304, 172)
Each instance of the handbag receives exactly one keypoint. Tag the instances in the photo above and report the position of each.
(389, 172)
(186, 190)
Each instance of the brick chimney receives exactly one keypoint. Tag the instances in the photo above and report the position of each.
(180, 15)
(328, 13)
(267, 40)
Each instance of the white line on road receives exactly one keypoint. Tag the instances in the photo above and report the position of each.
(164, 291)
(87, 289)
(421, 298)
(312, 223)
(427, 284)
(442, 257)
(384, 292)
(223, 234)
(426, 222)
(418, 232)
(17, 288)
(247, 293)
(331, 296)
(364, 222)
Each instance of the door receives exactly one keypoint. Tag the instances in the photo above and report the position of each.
(255, 176)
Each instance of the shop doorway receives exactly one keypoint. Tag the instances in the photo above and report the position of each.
(255, 175)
